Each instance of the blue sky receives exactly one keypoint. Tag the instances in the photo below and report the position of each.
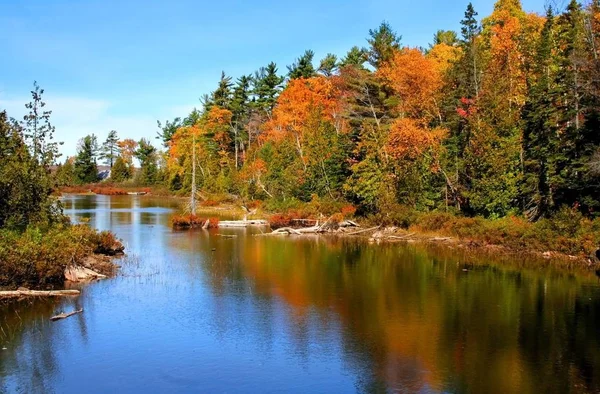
(108, 64)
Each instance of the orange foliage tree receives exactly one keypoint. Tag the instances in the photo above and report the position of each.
(410, 139)
(416, 80)
(127, 148)
(295, 105)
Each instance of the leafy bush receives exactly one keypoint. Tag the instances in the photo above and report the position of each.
(40, 257)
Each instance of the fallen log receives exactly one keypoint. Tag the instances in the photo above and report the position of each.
(309, 230)
(22, 292)
(363, 231)
(399, 237)
(284, 231)
(439, 239)
(243, 223)
(65, 315)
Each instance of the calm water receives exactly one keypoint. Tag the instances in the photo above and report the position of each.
(195, 312)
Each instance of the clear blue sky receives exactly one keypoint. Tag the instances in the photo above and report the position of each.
(123, 64)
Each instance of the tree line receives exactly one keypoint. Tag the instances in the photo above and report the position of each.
(500, 118)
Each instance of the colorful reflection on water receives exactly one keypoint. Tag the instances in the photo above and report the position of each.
(195, 312)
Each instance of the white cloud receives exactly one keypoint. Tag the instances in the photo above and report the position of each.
(75, 117)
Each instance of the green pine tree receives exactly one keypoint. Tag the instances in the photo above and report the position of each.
(302, 67)
(110, 148)
(383, 42)
(86, 170)
(120, 171)
(266, 85)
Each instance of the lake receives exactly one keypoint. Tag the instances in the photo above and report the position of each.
(192, 311)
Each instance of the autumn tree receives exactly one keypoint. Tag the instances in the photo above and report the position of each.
(127, 148)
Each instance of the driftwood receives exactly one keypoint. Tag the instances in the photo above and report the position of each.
(439, 239)
(22, 292)
(283, 231)
(81, 274)
(205, 225)
(243, 223)
(363, 231)
(65, 315)
(348, 223)
(305, 220)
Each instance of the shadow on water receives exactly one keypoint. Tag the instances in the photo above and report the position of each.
(199, 312)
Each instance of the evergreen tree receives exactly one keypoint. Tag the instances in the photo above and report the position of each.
(167, 130)
(110, 148)
(222, 96)
(120, 171)
(539, 134)
(240, 109)
(266, 85)
(147, 155)
(355, 57)
(328, 65)
(38, 131)
(302, 67)
(447, 37)
(65, 173)
(383, 42)
(25, 187)
(578, 123)
(86, 170)
(470, 62)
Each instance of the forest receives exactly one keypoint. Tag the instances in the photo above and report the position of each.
(499, 119)
(37, 241)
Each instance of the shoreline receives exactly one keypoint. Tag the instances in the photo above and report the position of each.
(391, 234)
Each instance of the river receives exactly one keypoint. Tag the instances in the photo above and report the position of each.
(192, 311)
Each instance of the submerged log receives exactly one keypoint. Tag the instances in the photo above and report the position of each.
(65, 315)
(23, 292)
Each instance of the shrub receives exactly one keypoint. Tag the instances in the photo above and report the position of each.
(40, 257)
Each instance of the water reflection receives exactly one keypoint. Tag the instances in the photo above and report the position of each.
(193, 311)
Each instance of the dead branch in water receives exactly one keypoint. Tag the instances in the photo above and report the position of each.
(22, 292)
(399, 237)
(65, 315)
(282, 231)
